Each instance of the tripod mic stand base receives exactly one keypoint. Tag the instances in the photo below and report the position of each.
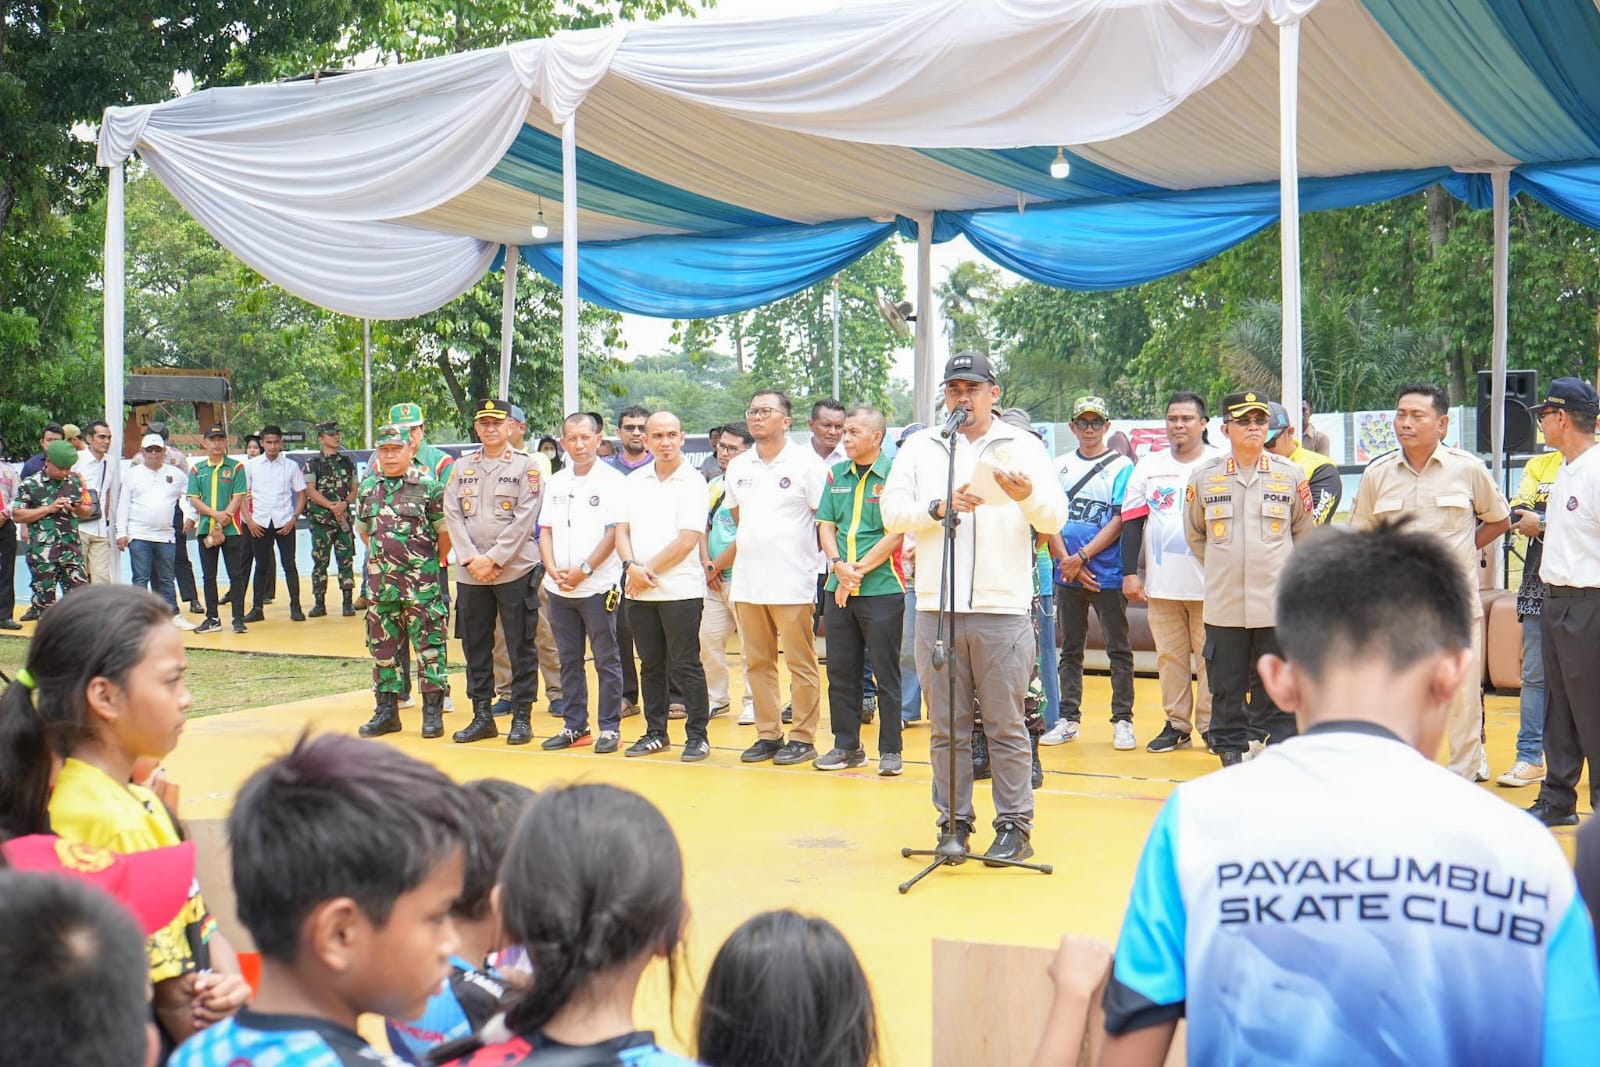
(952, 853)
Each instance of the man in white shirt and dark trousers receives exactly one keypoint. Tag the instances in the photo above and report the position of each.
(1569, 620)
(577, 540)
(1159, 569)
(146, 499)
(277, 496)
(94, 534)
(659, 544)
(993, 648)
(773, 491)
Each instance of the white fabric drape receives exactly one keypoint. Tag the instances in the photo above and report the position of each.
(1289, 214)
(1501, 181)
(947, 73)
(115, 281)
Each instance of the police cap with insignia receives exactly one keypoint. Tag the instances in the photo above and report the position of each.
(1236, 404)
(406, 415)
(492, 408)
(390, 434)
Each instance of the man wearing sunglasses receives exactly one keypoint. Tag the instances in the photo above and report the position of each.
(1243, 511)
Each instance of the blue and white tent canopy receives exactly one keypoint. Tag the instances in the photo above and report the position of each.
(722, 163)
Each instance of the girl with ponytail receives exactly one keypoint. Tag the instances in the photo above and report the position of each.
(592, 887)
(102, 689)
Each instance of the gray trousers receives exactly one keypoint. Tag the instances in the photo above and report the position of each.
(1003, 645)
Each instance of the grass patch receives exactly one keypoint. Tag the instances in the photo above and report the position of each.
(234, 681)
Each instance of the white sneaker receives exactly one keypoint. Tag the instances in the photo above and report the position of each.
(182, 623)
(1063, 731)
(449, 705)
(1122, 737)
(747, 717)
(409, 702)
(1482, 774)
(1522, 773)
(1255, 749)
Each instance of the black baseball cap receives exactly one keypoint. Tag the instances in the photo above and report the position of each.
(216, 430)
(1572, 394)
(968, 367)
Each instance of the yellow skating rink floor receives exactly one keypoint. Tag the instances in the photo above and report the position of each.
(759, 837)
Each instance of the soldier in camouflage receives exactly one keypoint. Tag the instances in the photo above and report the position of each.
(400, 514)
(51, 502)
(330, 492)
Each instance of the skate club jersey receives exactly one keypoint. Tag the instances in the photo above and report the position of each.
(468, 999)
(638, 1049)
(1295, 918)
(1096, 502)
(256, 1039)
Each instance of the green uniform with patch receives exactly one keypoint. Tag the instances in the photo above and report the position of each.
(403, 518)
(332, 476)
(55, 558)
(852, 503)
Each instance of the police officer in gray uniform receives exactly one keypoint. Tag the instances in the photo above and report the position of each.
(491, 506)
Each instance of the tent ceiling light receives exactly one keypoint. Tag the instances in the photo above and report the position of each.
(1061, 166)
(540, 230)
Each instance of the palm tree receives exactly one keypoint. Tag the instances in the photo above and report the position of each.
(1352, 360)
(966, 298)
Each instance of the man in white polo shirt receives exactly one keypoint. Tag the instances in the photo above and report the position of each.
(659, 546)
(277, 496)
(1569, 620)
(773, 491)
(149, 492)
(577, 541)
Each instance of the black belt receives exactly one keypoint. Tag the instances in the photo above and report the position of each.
(1573, 592)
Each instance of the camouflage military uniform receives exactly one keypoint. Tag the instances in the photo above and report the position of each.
(55, 557)
(403, 518)
(332, 476)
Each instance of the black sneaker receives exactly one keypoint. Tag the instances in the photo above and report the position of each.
(980, 754)
(566, 739)
(1168, 739)
(890, 765)
(760, 752)
(695, 750)
(718, 711)
(869, 709)
(839, 759)
(239, 627)
(648, 744)
(295, 614)
(1541, 810)
(607, 742)
(1010, 843)
(500, 709)
(795, 752)
(209, 625)
(12, 624)
(788, 713)
(256, 615)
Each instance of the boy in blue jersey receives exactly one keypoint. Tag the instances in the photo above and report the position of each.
(1295, 919)
(1088, 555)
(347, 859)
(474, 993)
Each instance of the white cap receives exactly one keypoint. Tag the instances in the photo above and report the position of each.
(152, 440)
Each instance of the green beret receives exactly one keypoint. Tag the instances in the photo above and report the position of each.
(62, 454)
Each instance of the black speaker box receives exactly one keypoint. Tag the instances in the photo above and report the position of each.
(1522, 401)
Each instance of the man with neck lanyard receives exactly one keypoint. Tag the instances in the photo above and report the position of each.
(1242, 513)
(96, 533)
(1449, 492)
(1159, 569)
(1569, 619)
(991, 629)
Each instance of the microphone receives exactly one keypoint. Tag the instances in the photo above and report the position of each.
(954, 422)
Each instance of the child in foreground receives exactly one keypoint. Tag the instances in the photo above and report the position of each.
(592, 886)
(347, 860)
(1296, 914)
(474, 993)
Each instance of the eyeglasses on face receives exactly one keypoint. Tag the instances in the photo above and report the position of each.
(761, 413)
(633, 427)
(1252, 420)
(730, 449)
(1089, 424)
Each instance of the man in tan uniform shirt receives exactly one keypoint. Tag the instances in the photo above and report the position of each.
(1243, 511)
(1448, 492)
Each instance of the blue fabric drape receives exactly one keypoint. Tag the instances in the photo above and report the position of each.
(1573, 189)
(697, 276)
(1122, 241)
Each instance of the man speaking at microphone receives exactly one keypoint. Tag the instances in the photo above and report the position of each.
(1005, 490)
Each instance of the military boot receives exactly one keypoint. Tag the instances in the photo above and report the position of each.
(433, 714)
(481, 728)
(521, 725)
(319, 608)
(349, 609)
(385, 717)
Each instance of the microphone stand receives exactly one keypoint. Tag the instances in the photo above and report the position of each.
(950, 852)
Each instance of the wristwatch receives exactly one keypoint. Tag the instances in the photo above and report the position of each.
(835, 561)
(933, 510)
(585, 568)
